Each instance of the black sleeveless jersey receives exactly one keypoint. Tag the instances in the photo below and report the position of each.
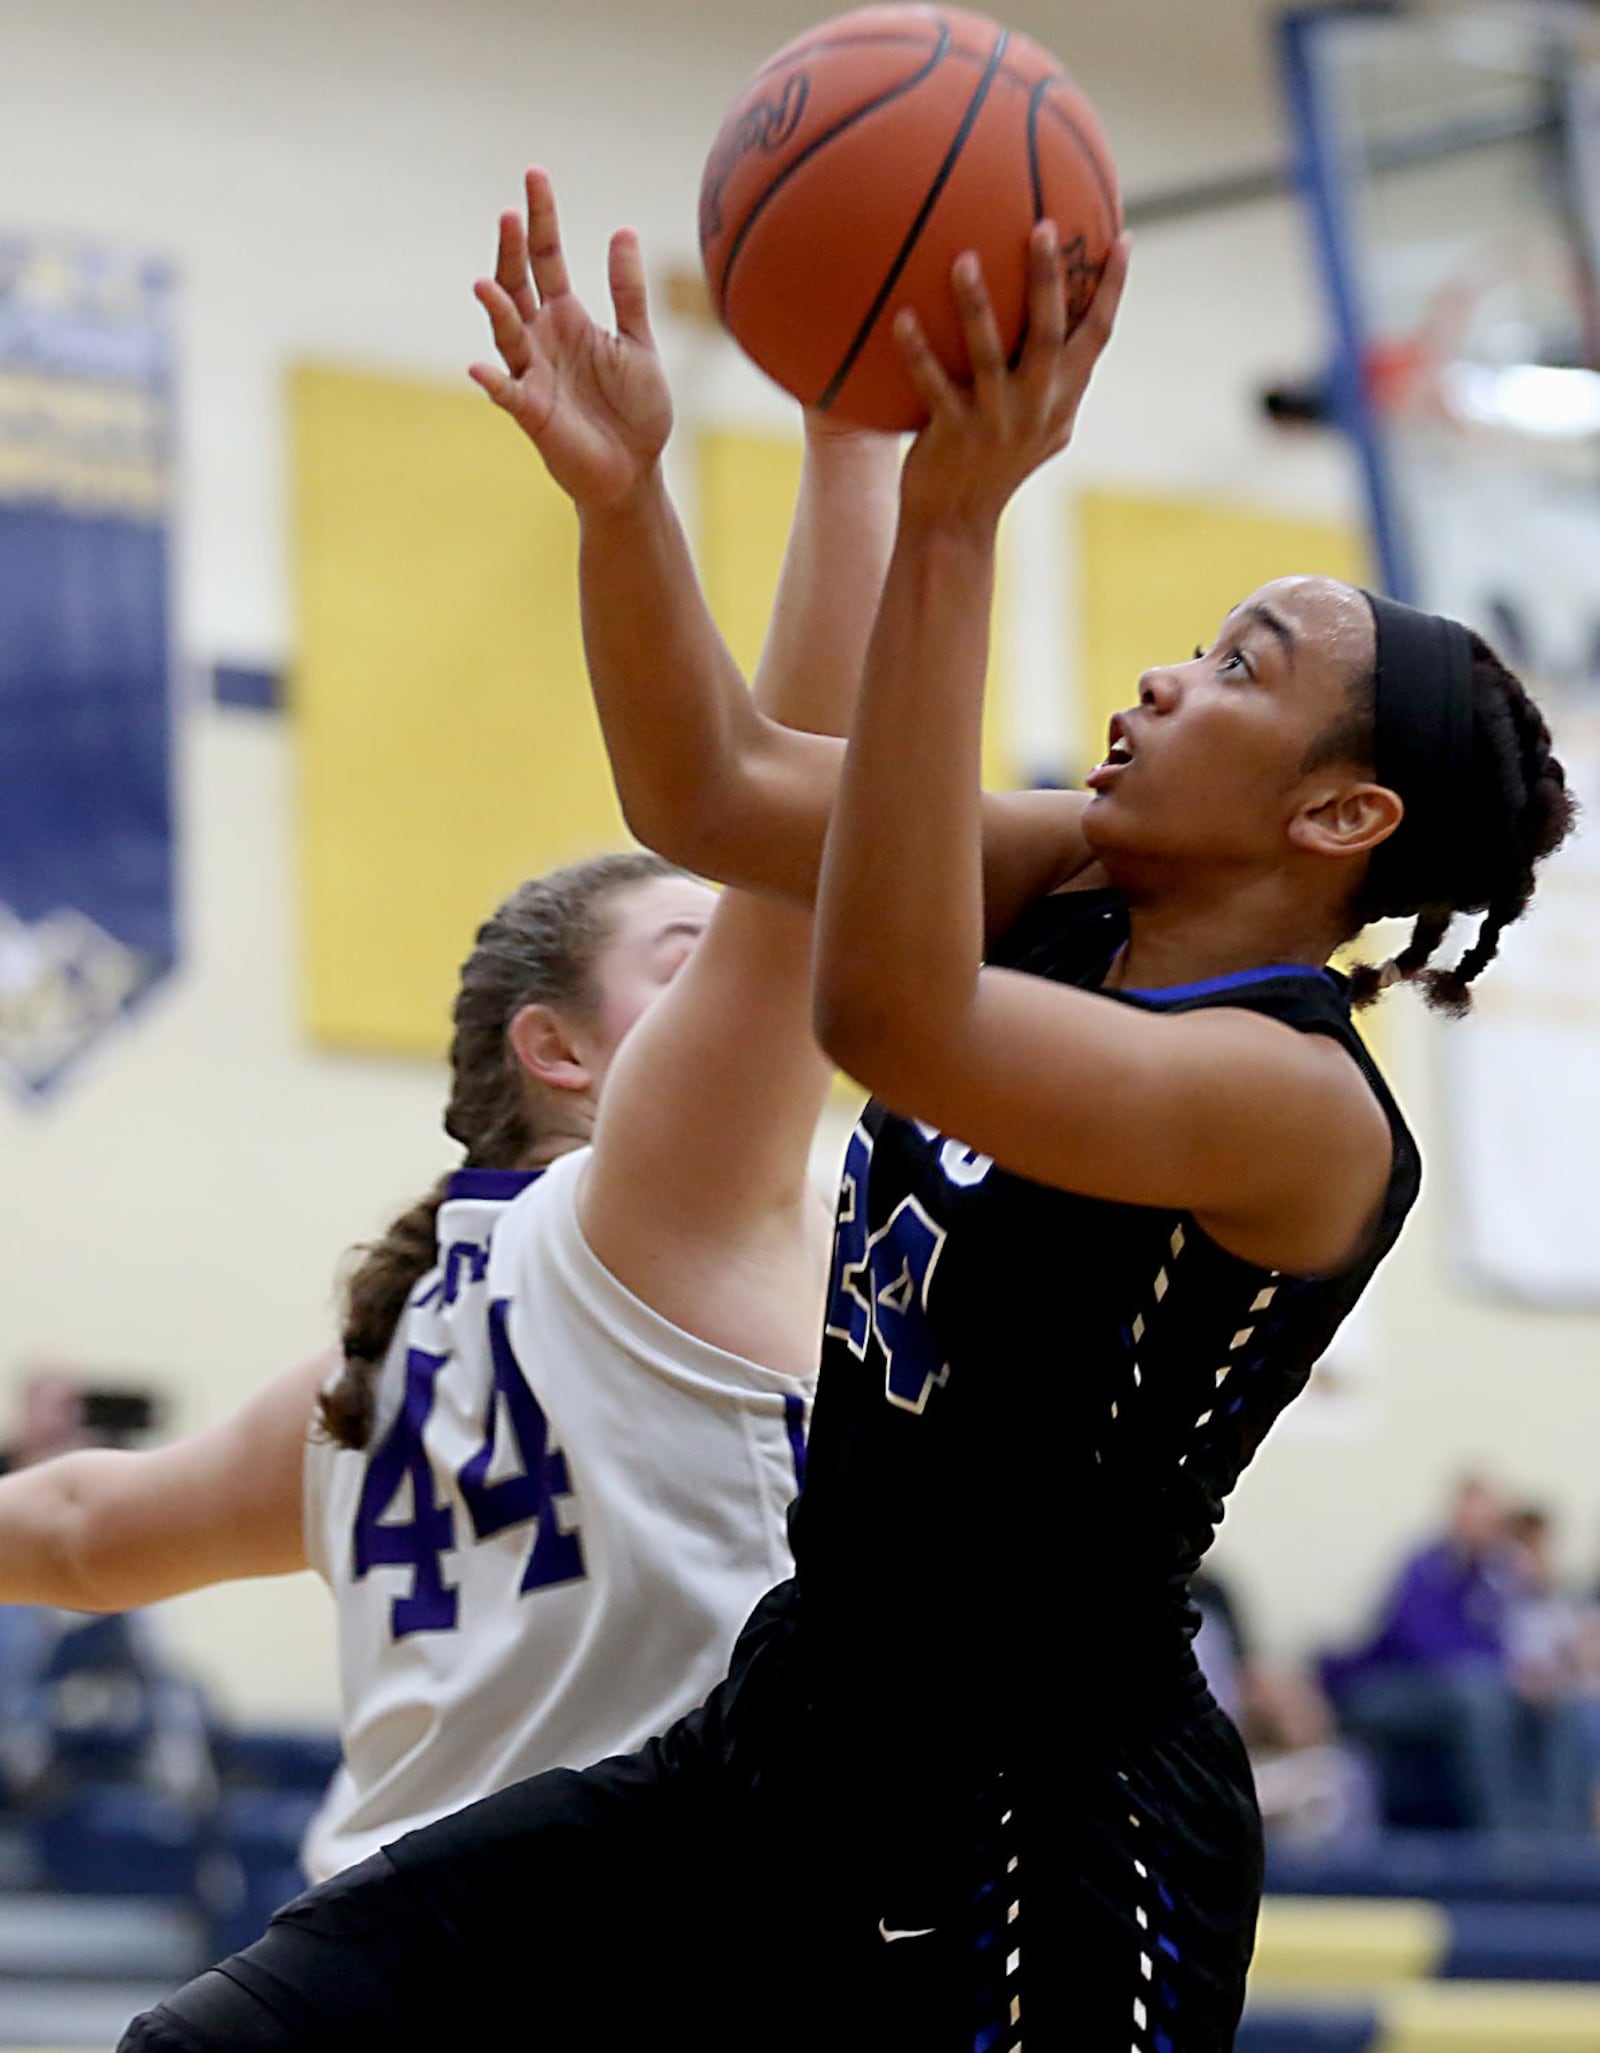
(1033, 1405)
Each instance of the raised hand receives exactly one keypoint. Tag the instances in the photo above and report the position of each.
(594, 404)
(982, 441)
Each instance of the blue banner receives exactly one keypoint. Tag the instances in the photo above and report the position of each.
(87, 921)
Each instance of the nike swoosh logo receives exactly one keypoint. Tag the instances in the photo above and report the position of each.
(925, 1932)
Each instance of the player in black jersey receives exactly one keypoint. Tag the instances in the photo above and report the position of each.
(949, 1800)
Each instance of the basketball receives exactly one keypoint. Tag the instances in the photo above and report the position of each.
(858, 163)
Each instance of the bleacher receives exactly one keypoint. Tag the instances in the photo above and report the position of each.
(1423, 1943)
(1410, 1942)
(116, 1893)
(1430, 1942)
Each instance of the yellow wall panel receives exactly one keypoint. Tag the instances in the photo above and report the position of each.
(1158, 575)
(445, 739)
(747, 485)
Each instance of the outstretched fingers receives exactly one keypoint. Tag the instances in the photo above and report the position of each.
(630, 300)
(494, 381)
(980, 331)
(511, 265)
(507, 325)
(546, 259)
(1086, 342)
(1047, 301)
(923, 368)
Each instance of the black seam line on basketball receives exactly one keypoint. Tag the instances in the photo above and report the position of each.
(1036, 183)
(1091, 156)
(1035, 175)
(930, 201)
(1037, 106)
(820, 142)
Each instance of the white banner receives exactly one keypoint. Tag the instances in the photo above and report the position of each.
(1524, 1077)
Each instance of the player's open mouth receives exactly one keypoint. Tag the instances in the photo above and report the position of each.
(1119, 754)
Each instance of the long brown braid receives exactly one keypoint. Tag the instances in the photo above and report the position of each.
(538, 948)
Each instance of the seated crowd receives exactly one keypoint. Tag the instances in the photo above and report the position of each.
(1471, 1703)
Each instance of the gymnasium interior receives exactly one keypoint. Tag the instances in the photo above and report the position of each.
(237, 251)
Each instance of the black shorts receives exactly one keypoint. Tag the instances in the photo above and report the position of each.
(710, 1892)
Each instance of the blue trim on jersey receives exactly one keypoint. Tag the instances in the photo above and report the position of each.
(794, 1419)
(1231, 982)
(490, 1183)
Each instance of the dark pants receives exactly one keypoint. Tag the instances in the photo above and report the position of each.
(726, 1891)
(1511, 1765)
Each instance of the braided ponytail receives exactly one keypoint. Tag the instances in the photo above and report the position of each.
(1369, 979)
(375, 1296)
(539, 948)
(1519, 791)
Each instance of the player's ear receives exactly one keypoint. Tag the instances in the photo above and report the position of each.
(545, 1049)
(1346, 819)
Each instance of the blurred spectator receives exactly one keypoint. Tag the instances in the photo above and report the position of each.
(49, 1418)
(1439, 1696)
(86, 1700)
(1545, 1625)
(1553, 1636)
(48, 1421)
(1310, 1786)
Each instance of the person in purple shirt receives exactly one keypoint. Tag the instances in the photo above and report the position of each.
(1450, 1602)
(1437, 1675)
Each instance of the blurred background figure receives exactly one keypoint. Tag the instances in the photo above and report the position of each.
(1553, 1641)
(89, 1703)
(1314, 1788)
(48, 1418)
(1454, 1691)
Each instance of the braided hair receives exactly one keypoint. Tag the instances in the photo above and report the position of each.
(539, 948)
(1519, 792)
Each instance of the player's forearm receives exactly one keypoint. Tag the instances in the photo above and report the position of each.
(810, 671)
(900, 909)
(703, 777)
(47, 1536)
(832, 579)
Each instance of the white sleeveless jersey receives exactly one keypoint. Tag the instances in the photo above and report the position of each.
(567, 1508)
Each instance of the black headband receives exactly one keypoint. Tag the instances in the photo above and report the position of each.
(1423, 717)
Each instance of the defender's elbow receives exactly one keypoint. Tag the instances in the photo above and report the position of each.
(86, 1574)
(88, 1551)
(668, 831)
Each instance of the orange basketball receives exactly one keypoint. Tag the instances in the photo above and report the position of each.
(857, 165)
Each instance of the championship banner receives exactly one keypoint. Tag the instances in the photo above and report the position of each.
(86, 840)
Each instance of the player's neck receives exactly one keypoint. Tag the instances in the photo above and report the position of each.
(571, 1126)
(1192, 937)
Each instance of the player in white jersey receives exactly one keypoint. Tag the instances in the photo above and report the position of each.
(574, 1379)
(620, 1489)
